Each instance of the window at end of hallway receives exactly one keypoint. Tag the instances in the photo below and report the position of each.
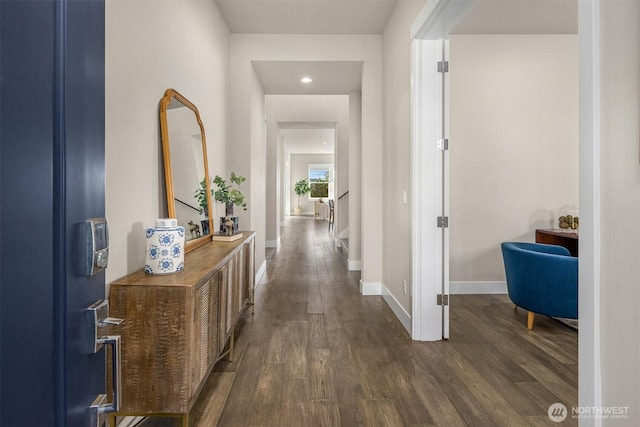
(321, 181)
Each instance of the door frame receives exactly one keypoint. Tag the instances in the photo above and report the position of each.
(435, 22)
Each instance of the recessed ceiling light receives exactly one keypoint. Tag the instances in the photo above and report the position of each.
(306, 80)
(324, 143)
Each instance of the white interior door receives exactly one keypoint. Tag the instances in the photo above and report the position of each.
(443, 146)
(430, 237)
(430, 167)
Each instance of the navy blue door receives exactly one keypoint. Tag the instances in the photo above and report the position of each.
(51, 179)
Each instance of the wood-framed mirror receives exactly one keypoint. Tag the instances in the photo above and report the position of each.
(186, 170)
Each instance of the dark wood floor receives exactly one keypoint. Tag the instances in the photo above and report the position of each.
(317, 353)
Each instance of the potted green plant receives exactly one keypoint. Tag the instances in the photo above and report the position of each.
(227, 194)
(224, 193)
(301, 188)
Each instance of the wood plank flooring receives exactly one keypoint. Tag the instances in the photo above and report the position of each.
(317, 353)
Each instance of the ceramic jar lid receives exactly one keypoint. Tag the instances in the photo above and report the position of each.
(166, 223)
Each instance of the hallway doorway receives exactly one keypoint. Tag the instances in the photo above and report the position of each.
(307, 138)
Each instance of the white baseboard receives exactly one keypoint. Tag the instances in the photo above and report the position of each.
(353, 265)
(260, 273)
(370, 288)
(397, 309)
(477, 288)
(303, 214)
(272, 243)
(344, 234)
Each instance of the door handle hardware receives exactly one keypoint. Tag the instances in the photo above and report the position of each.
(116, 372)
(98, 319)
(111, 321)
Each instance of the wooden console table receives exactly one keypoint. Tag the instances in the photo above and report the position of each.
(177, 326)
(558, 237)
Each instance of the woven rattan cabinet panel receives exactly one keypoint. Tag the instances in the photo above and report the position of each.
(202, 350)
(176, 326)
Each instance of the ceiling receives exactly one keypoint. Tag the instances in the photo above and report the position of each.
(366, 17)
(370, 17)
(306, 16)
(308, 140)
(329, 77)
(520, 17)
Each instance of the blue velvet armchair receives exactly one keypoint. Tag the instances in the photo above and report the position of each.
(542, 279)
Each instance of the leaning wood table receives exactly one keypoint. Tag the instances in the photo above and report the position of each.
(568, 239)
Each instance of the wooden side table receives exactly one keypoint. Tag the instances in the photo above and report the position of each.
(559, 237)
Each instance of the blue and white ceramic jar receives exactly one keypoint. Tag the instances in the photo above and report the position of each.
(165, 247)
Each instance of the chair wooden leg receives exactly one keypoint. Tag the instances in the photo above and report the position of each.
(515, 307)
(530, 317)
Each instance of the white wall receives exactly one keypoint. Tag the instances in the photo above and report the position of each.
(272, 47)
(152, 46)
(620, 207)
(397, 165)
(355, 182)
(273, 180)
(300, 170)
(258, 171)
(285, 182)
(513, 144)
(341, 164)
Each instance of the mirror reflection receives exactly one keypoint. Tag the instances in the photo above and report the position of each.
(186, 171)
